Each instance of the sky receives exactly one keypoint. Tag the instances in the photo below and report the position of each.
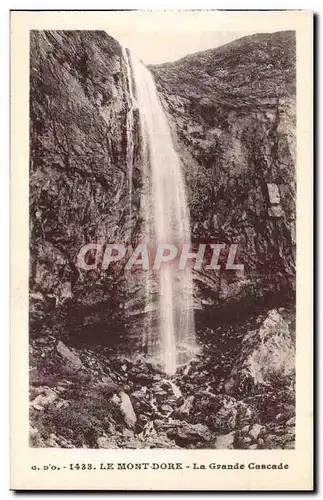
(159, 47)
(157, 37)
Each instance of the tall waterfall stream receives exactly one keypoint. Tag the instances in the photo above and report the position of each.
(170, 342)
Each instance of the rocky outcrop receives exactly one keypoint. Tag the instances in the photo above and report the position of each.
(266, 355)
(232, 113)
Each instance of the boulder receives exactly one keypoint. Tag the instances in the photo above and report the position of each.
(126, 408)
(255, 430)
(106, 387)
(106, 442)
(190, 434)
(224, 420)
(275, 211)
(224, 441)
(273, 193)
(266, 356)
(45, 398)
(184, 410)
(244, 414)
(72, 360)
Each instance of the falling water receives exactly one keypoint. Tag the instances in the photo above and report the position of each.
(171, 338)
(130, 124)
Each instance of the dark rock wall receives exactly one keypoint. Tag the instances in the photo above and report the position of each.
(232, 115)
(78, 174)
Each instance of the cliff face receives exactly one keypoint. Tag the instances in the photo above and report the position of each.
(78, 174)
(232, 114)
(232, 117)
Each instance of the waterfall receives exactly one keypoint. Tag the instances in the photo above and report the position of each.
(170, 329)
(129, 131)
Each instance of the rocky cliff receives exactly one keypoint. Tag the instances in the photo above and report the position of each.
(78, 172)
(232, 112)
(232, 117)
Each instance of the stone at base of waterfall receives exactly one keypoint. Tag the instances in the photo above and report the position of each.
(275, 211)
(184, 410)
(166, 409)
(127, 433)
(279, 437)
(230, 415)
(266, 355)
(126, 408)
(225, 418)
(225, 441)
(72, 359)
(106, 387)
(45, 398)
(187, 434)
(249, 436)
(255, 430)
(106, 442)
(37, 440)
(273, 193)
(271, 436)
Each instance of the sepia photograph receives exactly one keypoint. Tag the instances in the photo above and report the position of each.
(162, 246)
(140, 175)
